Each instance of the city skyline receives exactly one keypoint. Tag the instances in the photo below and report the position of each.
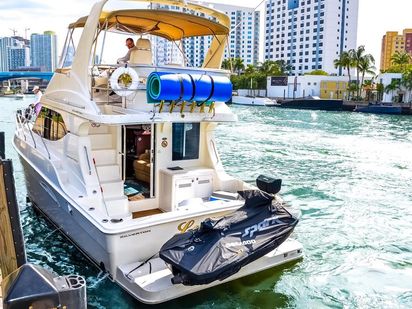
(375, 19)
(243, 42)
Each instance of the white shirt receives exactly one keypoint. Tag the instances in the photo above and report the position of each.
(127, 57)
(38, 96)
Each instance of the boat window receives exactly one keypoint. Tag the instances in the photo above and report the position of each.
(69, 49)
(185, 141)
(50, 125)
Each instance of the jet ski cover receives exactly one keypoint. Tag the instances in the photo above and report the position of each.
(220, 247)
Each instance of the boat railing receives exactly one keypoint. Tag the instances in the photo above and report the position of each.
(98, 179)
(31, 134)
(87, 159)
(27, 120)
(45, 147)
(19, 124)
(23, 117)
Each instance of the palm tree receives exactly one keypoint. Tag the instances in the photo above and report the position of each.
(284, 67)
(366, 66)
(344, 61)
(238, 65)
(270, 68)
(356, 55)
(380, 89)
(351, 89)
(407, 83)
(360, 61)
(401, 59)
(394, 85)
(250, 69)
(227, 64)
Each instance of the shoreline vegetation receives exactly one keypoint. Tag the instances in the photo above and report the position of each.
(362, 87)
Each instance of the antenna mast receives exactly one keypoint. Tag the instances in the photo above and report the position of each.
(25, 32)
(13, 30)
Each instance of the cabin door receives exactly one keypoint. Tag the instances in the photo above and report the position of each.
(138, 141)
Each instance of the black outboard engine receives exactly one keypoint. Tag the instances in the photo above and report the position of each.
(220, 248)
(269, 184)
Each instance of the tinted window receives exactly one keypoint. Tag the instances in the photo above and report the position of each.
(50, 125)
(185, 141)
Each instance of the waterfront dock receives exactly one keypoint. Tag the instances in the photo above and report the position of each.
(350, 106)
(336, 105)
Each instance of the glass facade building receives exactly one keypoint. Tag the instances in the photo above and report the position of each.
(44, 51)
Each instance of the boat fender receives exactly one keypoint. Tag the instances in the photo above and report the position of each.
(124, 81)
(212, 89)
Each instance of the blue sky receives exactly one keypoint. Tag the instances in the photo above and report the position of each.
(375, 17)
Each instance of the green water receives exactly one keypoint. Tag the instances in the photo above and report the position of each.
(350, 175)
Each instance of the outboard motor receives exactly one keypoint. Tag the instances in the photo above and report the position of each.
(268, 184)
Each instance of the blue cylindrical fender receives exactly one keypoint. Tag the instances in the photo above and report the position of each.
(162, 86)
(222, 89)
(212, 88)
(188, 87)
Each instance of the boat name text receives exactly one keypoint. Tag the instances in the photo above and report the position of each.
(135, 233)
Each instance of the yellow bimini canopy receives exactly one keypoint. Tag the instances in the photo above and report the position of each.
(167, 24)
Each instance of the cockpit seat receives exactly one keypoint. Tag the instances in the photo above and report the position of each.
(143, 53)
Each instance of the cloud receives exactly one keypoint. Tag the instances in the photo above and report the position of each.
(21, 5)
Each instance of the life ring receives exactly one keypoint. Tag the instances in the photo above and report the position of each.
(124, 81)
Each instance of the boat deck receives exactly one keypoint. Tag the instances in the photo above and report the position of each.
(146, 213)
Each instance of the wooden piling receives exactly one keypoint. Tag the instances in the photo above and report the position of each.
(2, 146)
(12, 253)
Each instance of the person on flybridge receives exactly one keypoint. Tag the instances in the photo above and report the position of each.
(130, 45)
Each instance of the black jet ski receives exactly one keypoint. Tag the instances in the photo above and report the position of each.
(220, 248)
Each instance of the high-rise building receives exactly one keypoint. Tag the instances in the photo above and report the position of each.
(196, 49)
(393, 42)
(18, 55)
(243, 39)
(245, 31)
(5, 44)
(44, 50)
(14, 53)
(310, 34)
(166, 52)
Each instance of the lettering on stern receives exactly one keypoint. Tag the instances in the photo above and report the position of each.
(135, 233)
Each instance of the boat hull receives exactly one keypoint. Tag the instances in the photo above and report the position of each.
(107, 250)
(151, 283)
(61, 213)
(380, 109)
(116, 253)
(328, 105)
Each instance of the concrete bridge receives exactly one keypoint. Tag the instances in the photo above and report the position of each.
(25, 74)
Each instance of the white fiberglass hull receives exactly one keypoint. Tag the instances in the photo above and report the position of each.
(120, 252)
(151, 283)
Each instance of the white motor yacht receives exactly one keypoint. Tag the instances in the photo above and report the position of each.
(120, 163)
(254, 101)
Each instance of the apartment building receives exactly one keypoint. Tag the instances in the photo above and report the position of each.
(310, 34)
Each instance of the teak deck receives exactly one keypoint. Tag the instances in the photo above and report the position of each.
(145, 213)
